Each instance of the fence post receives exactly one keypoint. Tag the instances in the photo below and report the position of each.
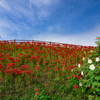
(14, 40)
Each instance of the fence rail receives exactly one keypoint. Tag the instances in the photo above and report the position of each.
(54, 43)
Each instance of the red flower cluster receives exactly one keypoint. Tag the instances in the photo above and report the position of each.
(13, 64)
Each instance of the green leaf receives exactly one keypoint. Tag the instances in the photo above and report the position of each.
(95, 83)
(93, 87)
(97, 78)
(92, 76)
(87, 85)
(97, 89)
(94, 92)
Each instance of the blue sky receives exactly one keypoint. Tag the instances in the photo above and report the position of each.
(64, 21)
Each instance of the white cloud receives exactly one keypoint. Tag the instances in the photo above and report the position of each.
(85, 38)
(4, 5)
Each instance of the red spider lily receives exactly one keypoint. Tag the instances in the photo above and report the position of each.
(68, 78)
(75, 86)
(10, 65)
(78, 77)
(1, 55)
(37, 89)
(24, 66)
(71, 66)
(11, 58)
(89, 86)
(57, 68)
(49, 68)
(48, 72)
(34, 77)
(18, 71)
(67, 68)
(38, 68)
(29, 72)
(44, 62)
(62, 73)
(2, 59)
(46, 84)
(1, 81)
(1, 66)
(53, 64)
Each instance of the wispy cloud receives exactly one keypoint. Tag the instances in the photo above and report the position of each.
(41, 3)
(43, 7)
(4, 5)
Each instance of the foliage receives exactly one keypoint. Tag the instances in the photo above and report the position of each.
(73, 80)
(90, 79)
